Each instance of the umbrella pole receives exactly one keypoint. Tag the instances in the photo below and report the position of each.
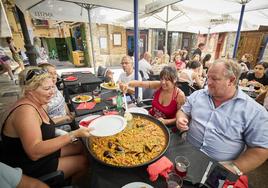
(166, 35)
(91, 39)
(238, 30)
(136, 44)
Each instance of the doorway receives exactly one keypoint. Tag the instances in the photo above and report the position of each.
(143, 43)
(219, 45)
(62, 49)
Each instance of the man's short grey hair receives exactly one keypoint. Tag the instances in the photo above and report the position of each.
(128, 58)
(232, 68)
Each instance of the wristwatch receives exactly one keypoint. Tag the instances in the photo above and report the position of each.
(236, 169)
(73, 138)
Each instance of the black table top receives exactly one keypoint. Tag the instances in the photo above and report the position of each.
(105, 94)
(104, 176)
(83, 79)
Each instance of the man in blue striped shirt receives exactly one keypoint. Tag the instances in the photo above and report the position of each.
(224, 122)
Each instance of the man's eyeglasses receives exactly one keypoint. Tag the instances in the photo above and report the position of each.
(34, 72)
(124, 63)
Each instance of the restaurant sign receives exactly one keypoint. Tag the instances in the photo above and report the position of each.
(42, 15)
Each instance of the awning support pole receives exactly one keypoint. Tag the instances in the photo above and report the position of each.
(238, 30)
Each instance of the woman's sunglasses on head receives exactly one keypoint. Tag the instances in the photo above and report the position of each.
(34, 72)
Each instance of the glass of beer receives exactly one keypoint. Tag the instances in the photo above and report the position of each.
(181, 166)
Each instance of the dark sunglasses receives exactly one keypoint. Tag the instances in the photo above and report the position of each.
(34, 72)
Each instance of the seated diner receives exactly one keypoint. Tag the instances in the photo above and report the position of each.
(57, 109)
(28, 139)
(191, 74)
(167, 98)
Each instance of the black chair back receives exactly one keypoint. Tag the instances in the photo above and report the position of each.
(185, 87)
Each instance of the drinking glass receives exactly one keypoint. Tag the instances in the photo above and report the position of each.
(97, 91)
(174, 181)
(181, 166)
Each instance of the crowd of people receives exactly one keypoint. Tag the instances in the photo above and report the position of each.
(220, 119)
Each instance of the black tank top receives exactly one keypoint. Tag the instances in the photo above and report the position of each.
(15, 156)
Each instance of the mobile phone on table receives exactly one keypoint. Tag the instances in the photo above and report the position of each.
(217, 177)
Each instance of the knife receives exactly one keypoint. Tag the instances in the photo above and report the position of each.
(205, 176)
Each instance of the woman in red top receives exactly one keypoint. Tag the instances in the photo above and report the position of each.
(167, 98)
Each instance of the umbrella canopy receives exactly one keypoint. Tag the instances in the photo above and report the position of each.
(197, 16)
(126, 5)
(59, 10)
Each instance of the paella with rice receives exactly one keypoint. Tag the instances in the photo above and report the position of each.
(142, 141)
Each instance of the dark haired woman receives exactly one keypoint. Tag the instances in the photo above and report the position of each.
(191, 74)
(167, 97)
(206, 61)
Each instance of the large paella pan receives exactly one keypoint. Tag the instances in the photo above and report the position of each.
(144, 140)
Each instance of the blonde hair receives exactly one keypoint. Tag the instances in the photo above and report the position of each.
(34, 82)
(44, 66)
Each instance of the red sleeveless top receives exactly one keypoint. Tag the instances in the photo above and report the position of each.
(166, 112)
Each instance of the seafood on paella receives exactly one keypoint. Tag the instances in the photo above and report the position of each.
(142, 141)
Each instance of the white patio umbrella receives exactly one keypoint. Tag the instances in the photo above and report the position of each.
(80, 11)
(67, 11)
(223, 23)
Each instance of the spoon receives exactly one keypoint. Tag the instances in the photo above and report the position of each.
(127, 115)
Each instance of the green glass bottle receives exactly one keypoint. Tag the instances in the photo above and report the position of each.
(119, 101)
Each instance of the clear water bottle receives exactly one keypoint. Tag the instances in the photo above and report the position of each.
(251, 90)
(119, 101)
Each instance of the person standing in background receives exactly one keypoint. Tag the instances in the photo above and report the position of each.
(201, 47)
(15, 52)
(5, 62)
(41, 55)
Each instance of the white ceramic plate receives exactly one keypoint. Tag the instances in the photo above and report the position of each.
(105, 86)
(86, 72)
(67, 73)
(88, 98)
(244, 88)
(88, 118)
(137, 185)
(138, 110)
(108, 125)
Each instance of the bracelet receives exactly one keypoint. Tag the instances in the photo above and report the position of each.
(236, 169)
(73, 138)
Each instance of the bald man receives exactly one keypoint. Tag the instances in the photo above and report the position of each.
(145, 66)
